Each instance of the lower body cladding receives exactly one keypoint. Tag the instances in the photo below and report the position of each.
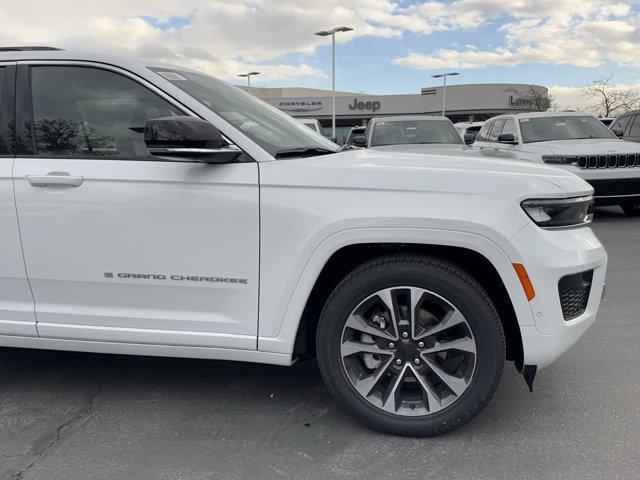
(568, 284)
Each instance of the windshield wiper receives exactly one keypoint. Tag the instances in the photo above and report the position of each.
(303, 152)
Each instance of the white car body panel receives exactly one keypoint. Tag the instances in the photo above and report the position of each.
(124, 218)
(272, 222)
(16, 303)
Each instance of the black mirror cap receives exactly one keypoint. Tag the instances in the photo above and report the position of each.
(182, 132)
(359, 141)
(507, 138)
(469, 138)
(618, 132)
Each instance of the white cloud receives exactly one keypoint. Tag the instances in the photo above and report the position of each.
(227, 37)
(585, 33)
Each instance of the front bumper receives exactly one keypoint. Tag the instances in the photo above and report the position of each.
(548, 256)
(613, 186)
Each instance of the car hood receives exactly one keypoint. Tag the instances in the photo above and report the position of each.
(435, 172)
(433, 148)
(583, 147)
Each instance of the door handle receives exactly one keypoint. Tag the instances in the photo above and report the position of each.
(54, 179)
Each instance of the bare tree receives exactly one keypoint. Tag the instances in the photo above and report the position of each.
(532, 98)
(608, 99)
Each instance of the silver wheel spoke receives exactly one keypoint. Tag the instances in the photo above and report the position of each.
(433, 401)
(356, 322)
(457, 385)
(416, 295)
(390, 398)
(366, 384)
(351, 347)
(464, 344)
(387, 299)
(453, 318)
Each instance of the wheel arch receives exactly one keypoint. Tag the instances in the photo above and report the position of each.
(348, 257)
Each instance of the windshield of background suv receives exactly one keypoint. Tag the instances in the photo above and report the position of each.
(273, 130)
(571, 127)
(400, 132)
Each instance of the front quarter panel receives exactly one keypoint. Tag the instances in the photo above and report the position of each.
(312, 207)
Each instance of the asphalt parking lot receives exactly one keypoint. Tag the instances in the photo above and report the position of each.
(80, 416)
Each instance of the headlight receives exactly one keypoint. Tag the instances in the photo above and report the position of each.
(559, 159)
(560, 213)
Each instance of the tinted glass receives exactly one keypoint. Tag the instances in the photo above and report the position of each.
(267, 126)
(621, 123)
(635, 128)
(89, 112)
(398, 132)
(509, 127)
(573, 127)
(484, 132)
(496, 130)
(5, 148)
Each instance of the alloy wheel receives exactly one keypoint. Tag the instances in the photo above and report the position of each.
(408, 351)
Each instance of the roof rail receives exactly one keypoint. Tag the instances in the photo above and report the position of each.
(27, 49)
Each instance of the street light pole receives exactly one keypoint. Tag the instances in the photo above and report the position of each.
(325, 33)
(444, 87)
(248, 76)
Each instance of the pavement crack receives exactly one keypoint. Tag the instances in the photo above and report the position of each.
(77, 419)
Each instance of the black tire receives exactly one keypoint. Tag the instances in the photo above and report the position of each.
(631, 209)
(444, 279)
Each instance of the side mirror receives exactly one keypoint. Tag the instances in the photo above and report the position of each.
(469, 138)
(188, 137)
(507, 138)
(618, 132)
(359, 141)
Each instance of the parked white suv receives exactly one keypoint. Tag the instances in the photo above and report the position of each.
(154, 210)
(577, 142)
(414, 133)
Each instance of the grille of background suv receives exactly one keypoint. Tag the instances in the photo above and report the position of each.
(625, 160)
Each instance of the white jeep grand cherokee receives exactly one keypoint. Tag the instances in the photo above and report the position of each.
(577, 142)
(153, 210)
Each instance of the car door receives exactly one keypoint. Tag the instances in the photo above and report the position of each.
(489, 145)
(16, 303)
(119, 245)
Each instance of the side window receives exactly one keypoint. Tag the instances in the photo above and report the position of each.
(635, 128)
(4, 144)
(496, 130)
(90, 112)
(484, 132)
(621, 123)
(510, 127)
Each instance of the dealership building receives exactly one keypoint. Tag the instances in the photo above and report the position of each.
(473, 102)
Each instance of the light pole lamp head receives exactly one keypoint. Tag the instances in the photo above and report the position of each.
(326, 33)
(248, 74)
(440, 75)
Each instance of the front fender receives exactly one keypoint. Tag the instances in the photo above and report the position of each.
(280, 337)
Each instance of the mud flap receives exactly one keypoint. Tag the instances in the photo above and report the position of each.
(529, 374)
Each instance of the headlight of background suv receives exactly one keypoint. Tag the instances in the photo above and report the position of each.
(560, 213)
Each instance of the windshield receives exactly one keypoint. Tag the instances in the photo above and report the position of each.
(399, 132)
(267, 126)
(571, 127)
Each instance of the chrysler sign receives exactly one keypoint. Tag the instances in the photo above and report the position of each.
(300, 105)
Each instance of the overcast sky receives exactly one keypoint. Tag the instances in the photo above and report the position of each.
(395, 47)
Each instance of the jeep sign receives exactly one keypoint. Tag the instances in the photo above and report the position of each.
(373, 105)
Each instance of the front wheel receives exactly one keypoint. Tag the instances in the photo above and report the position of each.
(412, 345)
